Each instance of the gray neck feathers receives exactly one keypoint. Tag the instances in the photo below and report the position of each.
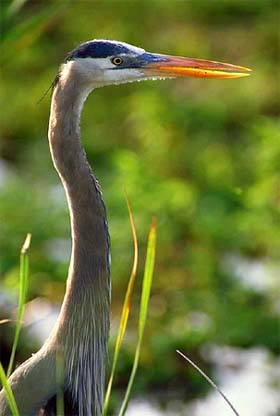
(82, 329)
(83, 326)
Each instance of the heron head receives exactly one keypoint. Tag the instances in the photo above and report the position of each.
(103, 62)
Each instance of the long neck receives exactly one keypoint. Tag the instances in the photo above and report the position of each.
(83, 325)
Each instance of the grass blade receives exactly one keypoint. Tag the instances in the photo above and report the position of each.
(145, 296)
(125, 310)
(8, 392)
(22, 296)
(209, 381)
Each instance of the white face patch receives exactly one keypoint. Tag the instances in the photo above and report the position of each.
(97, 72)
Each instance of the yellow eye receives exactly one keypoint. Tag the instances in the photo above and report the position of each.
(117, 60)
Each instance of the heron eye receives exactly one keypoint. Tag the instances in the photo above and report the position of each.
(117, 60)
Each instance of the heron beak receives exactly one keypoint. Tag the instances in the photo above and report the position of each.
(176, 66)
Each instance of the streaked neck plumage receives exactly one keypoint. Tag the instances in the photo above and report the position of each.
(83, 327)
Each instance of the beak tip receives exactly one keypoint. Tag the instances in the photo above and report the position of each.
(247, 69)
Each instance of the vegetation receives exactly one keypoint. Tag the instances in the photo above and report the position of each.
(145, 296)
(21, 303)
(201, 155)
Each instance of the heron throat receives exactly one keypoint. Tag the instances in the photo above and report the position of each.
(82, 329)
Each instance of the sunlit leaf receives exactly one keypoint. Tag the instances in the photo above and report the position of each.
(125, 310)
(9, 393)
(145, 296)
(22, 297)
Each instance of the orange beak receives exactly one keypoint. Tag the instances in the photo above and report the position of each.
(175, 66)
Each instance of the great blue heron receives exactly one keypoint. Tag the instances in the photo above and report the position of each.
(81, 331)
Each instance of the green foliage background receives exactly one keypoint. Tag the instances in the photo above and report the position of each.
(201, 155)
